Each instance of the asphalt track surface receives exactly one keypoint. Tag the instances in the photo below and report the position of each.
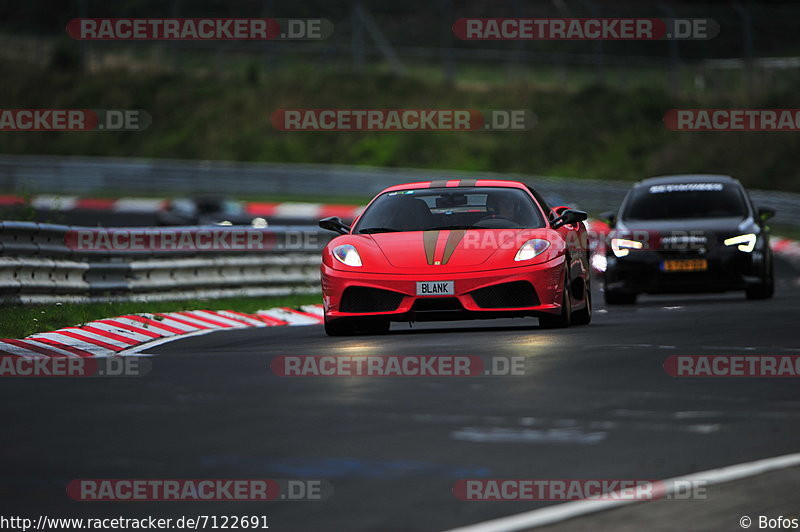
(595, 403)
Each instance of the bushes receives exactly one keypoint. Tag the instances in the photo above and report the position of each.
(595, 132)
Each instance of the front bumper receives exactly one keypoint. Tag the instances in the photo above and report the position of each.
(546, 280)
(728, 269)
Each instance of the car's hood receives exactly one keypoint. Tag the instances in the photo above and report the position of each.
(452, 249)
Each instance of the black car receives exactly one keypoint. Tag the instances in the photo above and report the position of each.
(204, 210)
(687, 234)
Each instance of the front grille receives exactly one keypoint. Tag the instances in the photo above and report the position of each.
(437, 303)
(507, 295)
(364, 299)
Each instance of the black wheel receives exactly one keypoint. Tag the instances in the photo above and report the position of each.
(340, 327)
(764, 290)
(613, 297)
(584, 315)
(565, 317)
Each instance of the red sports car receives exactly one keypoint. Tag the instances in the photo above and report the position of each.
(453, 249)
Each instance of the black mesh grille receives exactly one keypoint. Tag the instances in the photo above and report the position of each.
(437, 303)
(507, 295)
(364, 299)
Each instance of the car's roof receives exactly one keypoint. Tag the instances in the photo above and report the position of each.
(448, 183)
(686, 178)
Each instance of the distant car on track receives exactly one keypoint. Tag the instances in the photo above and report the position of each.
(204, 210)
(443, 250)
(684, 234)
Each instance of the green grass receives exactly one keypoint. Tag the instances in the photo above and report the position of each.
(785, 231)
(584, 130)
(19, 321)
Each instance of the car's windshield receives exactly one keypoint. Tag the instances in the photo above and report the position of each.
(450, 208)
(684, 200)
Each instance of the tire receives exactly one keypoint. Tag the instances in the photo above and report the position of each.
(563, 319)
(612, 297)
(340, 327)
(584, 315)
(764, 290)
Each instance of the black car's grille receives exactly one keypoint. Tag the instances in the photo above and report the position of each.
(364, 299)
(437, 303)
(507, 295)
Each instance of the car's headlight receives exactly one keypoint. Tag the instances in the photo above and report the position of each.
(746, 242)
(622, 246)
(347, 254)
(532, 248)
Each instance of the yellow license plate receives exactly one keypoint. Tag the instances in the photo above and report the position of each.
(687, 265)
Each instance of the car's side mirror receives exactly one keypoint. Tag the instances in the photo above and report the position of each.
(608, 217)
(765, 213)
(568, 217)
(335, 224)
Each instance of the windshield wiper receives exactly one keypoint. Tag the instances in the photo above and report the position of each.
(371, 230)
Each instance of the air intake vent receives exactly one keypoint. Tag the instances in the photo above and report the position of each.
(364, 299)
(518, 294)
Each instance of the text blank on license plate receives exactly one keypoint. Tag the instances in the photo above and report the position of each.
(436, 288)
(688, 265)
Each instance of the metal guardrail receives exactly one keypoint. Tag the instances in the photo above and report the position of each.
(82, 175)
(37, 265)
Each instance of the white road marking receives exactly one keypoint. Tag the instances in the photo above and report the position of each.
(569, 510)
(515, 435)
(138, 205)
(156, 343)
(53, 203)
(297, 210)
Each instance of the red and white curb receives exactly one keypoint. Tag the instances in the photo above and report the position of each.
(787, 248)
(313, 211)
(127, 335)
(150, 205)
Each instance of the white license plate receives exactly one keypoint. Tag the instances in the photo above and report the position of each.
(436, 288)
